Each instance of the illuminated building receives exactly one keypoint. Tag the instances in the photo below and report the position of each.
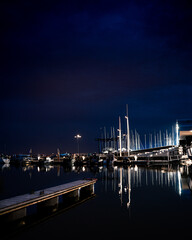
(185, 132)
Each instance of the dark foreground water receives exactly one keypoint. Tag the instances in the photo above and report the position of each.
(129, 202)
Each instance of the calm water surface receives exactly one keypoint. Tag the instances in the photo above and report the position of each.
(129, 202)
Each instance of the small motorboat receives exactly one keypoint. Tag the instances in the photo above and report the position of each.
(48, 160)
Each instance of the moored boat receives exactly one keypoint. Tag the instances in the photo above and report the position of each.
(6, 160)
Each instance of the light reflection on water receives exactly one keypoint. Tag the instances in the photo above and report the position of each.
(137, 177)
(126, 197)
(123, 180)
(117, 179)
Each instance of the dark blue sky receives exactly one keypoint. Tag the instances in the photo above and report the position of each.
(70, 67)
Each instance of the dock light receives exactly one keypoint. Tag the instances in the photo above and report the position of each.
(77, 137)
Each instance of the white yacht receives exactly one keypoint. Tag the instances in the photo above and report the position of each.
(48, 160)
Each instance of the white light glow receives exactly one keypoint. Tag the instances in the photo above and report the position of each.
(179, 180)
(78, 136)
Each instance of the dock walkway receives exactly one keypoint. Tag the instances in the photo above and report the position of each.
(23, 201)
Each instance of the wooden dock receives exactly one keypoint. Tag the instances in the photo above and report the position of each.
(8, 206)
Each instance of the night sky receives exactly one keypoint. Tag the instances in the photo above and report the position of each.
(70, 67)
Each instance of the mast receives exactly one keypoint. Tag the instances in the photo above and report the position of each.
(111, 142)
(155, 140)
(105, 137)
(114, 142)
(164, 140)
(173, 136)
(120, 153)
(128, 137)
(136, 148)
(150, 140)
(160, 139)
(167, 138)
(58, 154)
(133, 140)
(139, 142)
(177, 133)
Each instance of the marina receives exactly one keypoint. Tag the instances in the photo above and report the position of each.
(173, 145)
(134, 182)
(162, 155)
(96, 126)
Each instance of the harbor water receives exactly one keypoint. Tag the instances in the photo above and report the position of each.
(131, 201)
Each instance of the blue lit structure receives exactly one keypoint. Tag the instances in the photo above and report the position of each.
(185, 131)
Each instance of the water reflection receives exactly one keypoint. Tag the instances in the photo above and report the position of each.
(137, 196)
(126, 179)
(120, 180)
(6, 165)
